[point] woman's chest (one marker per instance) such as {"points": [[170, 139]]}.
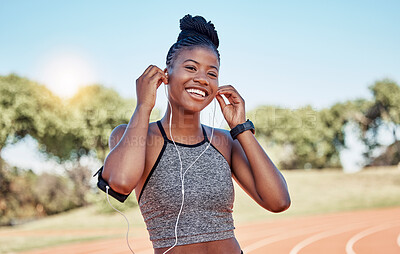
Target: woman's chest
{"points": [[203, 175]]}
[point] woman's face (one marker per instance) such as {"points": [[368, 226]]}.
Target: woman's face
{"points": [[193, 78]]}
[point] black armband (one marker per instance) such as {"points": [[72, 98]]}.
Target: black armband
{"points": [[102, 184]]}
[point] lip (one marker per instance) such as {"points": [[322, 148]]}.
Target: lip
{"points": [[198, 97], [195, 97]]}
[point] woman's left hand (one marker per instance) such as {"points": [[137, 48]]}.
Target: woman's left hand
{"points": [[234, 112]]}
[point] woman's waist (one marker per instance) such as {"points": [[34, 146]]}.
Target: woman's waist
{"points": [[161, 225], [225, 246]]}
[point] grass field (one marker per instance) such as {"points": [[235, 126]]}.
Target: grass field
{"points": [[312, 192]]}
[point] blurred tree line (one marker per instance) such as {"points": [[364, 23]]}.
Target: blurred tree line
{"points": [[67, 130], [310, 138]]}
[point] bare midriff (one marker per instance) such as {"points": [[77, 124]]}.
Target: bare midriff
{"points": [[227, 246]]}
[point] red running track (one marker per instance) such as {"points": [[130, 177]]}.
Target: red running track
{"points": [[361, 232]]}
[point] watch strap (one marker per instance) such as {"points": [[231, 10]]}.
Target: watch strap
{"points": [[248, 125]]}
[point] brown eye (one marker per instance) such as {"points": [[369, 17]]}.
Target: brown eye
{"points": [[190, 68], [212, 74]]}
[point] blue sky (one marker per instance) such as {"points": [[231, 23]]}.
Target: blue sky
{"points": [[288, 53]]}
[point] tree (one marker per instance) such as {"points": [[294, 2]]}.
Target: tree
{"points": [[383, 113], [27, 108], [96, 112], [305, 137]]}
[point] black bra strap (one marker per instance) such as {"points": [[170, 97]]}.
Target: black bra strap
{"points": [[165, 135], [205, 134], [162, 130]]}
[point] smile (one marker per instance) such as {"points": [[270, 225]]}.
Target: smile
{"points": [[196, 93]]}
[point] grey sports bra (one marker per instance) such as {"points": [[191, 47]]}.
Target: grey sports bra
{"points": [[208, 201]]}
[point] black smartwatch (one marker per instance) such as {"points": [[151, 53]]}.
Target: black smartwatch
{"points": [[248, 125]]}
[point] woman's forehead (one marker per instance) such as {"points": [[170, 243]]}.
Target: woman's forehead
{"points": [[199, 55]]}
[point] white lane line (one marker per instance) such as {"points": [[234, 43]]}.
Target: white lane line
{"points": [[283, 236], [369, 231], [295, 233], [326, 234]]}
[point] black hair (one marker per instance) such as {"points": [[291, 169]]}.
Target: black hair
{"points": [[195, 31]]}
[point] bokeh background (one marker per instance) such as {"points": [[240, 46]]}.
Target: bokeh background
{"points": [[320, 80]]}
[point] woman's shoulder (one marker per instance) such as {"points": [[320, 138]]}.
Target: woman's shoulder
{"points": [[218, 133], [116, 135], [154, 136], [119, 131], [154, 129], [221, 140]]}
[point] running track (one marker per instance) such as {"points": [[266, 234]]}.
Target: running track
{"points": [[363, 232]]}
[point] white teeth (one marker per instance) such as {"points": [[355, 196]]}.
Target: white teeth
{"points": [[196, 91]]}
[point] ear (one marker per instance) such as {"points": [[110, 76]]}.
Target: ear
{"points": [[166, 73]]}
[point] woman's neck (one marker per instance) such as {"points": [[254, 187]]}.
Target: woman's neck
{"points": [[185, 125]]}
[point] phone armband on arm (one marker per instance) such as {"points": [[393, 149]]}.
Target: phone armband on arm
{"points": [[102, 184]]}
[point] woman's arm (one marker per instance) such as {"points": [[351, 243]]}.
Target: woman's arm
{"points": [[251, 166], [257, 174], [124, 165]]}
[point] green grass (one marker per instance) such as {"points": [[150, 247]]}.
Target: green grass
{"points": [[318, 192], [88, 222], [312, 192]]}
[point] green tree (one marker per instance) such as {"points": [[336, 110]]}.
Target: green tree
{"points": [[383, 113], [97, 111], [305, 137], [17, 201], [28, 108]]}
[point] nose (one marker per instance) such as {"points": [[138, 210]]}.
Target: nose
{"points": [[201, 78]]}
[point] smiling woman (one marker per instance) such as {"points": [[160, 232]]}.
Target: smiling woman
{"points": [[64, 71], [182, 170]]}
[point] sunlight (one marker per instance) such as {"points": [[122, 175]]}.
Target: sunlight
{"points": [[64, 71]]}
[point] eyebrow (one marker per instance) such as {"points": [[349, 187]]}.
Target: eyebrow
{"points": [[187, 60]]}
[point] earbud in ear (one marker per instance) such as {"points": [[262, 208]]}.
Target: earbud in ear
{"points": [[166, 75]]}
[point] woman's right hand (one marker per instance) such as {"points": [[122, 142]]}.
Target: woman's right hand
{"points": [[147, 84]]}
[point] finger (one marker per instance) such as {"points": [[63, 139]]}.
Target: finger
{"points": [[221, 102], [159, 77], [163, 79], [232, 96], [228, 90], [153, 70], [226, 86], [147, 70]]}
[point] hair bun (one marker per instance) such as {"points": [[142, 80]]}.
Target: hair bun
{"points": [[192, 26]]}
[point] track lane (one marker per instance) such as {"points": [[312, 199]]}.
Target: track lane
{"points": [[278, 236], [383, 238], [369, 231], [398, 240]]}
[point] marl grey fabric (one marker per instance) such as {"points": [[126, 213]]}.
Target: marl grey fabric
{"points": [[208, 200]]}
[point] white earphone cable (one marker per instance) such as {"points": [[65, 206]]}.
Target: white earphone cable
{"points": [[182, 174], [127, 232]]}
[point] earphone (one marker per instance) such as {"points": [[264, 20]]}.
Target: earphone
{"points": [[182, 173]]}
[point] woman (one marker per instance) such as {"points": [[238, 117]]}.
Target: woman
{"points": [[182, 170]]}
